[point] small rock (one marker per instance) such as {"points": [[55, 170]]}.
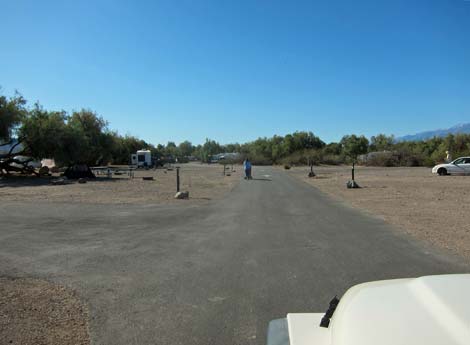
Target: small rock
{"points": [[82, 180], [311, 174], [147, 178], [352, 184], [182, 195]]}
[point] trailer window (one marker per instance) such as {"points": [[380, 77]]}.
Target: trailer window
{"points": [[141, 158]]}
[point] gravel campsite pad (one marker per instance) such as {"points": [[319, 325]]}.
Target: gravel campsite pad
{"points": [[203, 182], [36, 312]]}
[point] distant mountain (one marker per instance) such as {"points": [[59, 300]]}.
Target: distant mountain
{"points": [[462, 128]]}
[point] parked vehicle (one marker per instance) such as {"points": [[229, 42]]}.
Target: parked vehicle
{"points": [[142, 159], [431, 310], [460, 166], [22, 160]]}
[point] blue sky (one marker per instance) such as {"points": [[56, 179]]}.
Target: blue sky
{"points": [[236, 70]]}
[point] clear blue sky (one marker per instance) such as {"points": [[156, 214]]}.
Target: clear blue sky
{"points": [[236, 70]]}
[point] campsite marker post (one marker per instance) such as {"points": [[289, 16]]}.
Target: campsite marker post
{"points": [[177, 179]]}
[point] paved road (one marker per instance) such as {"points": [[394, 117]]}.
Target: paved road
{"points": [[213, 274]]}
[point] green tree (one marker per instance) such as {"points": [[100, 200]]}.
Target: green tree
{"points": [[381, 142], [123, 147], [46, 135], [171, 149], [186, 148], [208, 149], [12, 112], [232, 147], [95, 138], [333, 149], [82, 138], [354, 145], [306, 140]]}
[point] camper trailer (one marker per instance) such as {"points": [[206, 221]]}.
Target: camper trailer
{"points": [[142, 159]]}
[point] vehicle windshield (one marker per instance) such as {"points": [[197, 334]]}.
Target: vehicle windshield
{"points": [[184, 171]]}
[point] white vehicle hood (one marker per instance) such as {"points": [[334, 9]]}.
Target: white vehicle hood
{"points": [[432, 310]]}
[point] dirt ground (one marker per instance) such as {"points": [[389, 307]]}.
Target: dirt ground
{"points": [[204, 182], [35, 312], [432, 208]]}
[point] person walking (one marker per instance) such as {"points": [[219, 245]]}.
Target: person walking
{"points": [[247, 167], [448, 157]]}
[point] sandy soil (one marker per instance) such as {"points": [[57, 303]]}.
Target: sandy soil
{"points": [[35, 312], [432, 208], [204, 182]]}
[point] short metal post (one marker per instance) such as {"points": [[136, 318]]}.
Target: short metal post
{"points": [[352, 172], [224, 169], [177, 179]]}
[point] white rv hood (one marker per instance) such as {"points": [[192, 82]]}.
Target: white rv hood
{"points": [[432, 310]]}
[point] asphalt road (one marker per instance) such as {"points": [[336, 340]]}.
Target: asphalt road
{"points": [[212, 274]]}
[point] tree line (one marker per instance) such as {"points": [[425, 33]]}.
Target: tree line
{"points": [[84, 137], [381, 150]]}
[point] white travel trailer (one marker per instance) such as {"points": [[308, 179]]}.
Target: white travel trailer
{"points": [[143, 158]]}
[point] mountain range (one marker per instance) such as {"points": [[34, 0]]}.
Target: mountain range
{"points": [[459, 129]]}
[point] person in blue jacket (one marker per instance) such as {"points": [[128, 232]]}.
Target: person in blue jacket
{"points": [[247, 167]]}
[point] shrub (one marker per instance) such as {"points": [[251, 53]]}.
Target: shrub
{"points": [[333, 159], [383, 159]]}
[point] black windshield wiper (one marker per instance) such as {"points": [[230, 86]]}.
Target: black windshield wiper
{"points": [[325, 321]]}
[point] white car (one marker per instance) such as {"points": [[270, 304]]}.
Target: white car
{"points": [[460, 166], [431, 310], [23, 159]]}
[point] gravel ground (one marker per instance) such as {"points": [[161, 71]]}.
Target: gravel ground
{"points": [[432, 208], [204, 182], [35, 312]]}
